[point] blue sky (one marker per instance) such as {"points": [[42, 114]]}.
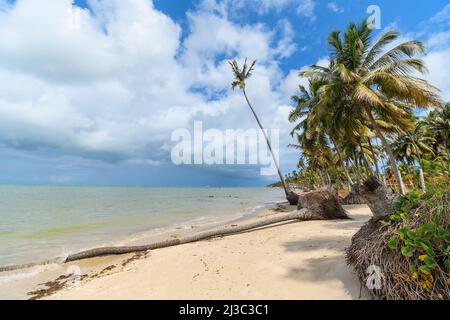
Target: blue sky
{"points": [[92, 90]]}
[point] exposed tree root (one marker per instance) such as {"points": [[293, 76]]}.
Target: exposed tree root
{"points": [[354, 197]]}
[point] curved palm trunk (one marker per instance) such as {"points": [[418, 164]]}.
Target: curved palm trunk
{"points": [[375, 160], [365, 161], [289, 195], [359, 176], [347, 174], [394, 167]]}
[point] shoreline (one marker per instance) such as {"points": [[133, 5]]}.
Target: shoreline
{"points": [[155, 233], [45, 270], [217, 268]]}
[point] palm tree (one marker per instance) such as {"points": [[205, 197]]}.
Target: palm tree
{"points": [[314, 126], [241, 75], [437, 124], [411, 147], [367, 84]]}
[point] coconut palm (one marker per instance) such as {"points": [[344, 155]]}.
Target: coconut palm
{"points": [[314, 127], [240, 78], [411, 147], [366, 83], [437, 124]]}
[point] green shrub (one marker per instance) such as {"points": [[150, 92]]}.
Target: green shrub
{"points": [[422, 233]]}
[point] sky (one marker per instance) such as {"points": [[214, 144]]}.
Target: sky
{"points": [[92, 90]]}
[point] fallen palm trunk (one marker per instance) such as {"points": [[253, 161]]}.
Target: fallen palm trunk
{"points": [[31, 265], [299, 215]]}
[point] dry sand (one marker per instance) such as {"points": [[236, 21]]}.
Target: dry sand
{"points": [[300, 260]]}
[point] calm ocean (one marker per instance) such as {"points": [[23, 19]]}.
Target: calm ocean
{"points": [[41, 222]]}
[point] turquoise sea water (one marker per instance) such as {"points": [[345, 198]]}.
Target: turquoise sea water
{"points": [[40, 222]]}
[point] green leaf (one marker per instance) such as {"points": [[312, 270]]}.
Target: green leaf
{"points": [[430, 262], [447, 263], [385, 223], [427, 248], [408, 251], [393, 243], [401, 232], [425, 270]]}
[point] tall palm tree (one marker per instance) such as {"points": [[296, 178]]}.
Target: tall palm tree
{"points": [[240, 77], [366, 83]]}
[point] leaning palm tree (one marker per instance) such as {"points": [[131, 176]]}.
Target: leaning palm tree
{"points": [[241, 75], [364, 82]]}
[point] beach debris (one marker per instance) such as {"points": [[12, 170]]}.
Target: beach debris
{"points": [[136, 256], [321, 205], [355, 196], [52, 287], [107, 269]]}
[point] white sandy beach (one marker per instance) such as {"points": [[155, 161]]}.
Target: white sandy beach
{"points": [[301, 260]]}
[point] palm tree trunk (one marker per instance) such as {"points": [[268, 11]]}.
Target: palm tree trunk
{"points": [[387, 147], [375, 160], [275, 161], [342, 162], [421, 175], [329, 183], [366, 162], [422, 179], [303, 214], [359, 176]]}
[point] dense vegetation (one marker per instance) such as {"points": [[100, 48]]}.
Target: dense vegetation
{"points": [[358, 116], [411, 248]]}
